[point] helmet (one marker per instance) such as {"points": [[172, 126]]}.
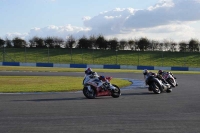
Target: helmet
{"points": [[88, 70], [145, 71], [160, 71]]}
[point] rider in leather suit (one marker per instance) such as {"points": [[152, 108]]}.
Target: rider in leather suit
{"points": [[161, 73], [99, 80], [147, 74]]}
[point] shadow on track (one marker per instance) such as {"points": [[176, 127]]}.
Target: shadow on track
{"points": [[53, 99], [143, 93], [62, 99]]}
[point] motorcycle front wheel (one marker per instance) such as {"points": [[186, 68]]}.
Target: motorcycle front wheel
{"points": [[171, 82], [90, 94], [116, 92], [156, 87]]}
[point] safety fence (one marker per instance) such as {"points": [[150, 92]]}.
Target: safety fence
{"points": [[96, 56], [99, 66]]}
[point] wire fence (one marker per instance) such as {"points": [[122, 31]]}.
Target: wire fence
{"points": [[96, 56]]}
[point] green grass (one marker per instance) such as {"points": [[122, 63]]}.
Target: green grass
{"points": [[89, 56], [14, 84]]}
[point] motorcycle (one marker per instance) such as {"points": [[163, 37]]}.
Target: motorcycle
{"points": [[91, 90], [169, 77], [157, 86]]}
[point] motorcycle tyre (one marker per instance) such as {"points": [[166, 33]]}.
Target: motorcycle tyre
{"points": [[113, 94], [159, 90], [88, 94], [169, 90], [171, 82]]}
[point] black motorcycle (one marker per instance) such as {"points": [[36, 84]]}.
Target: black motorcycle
{"points": [[157, 86]]}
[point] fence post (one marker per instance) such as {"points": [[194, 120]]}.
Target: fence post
{"points": [[4, 53], [116, 55], [25, 52], [138, 58], [93, 55], [162, 58], [48, 52]]}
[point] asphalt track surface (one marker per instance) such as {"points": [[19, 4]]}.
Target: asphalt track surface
{"points": [[135, 111]]}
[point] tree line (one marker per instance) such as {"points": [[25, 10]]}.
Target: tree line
{"points": [[100, 42]]}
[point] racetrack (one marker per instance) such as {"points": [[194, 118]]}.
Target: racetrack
{"points": [[137, 110]]}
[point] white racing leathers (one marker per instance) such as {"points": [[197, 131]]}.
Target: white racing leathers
{"points": [[95, 81]]}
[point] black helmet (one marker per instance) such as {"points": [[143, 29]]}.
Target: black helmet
{"points": [[160, 71], [88, 70], [145, 71]]}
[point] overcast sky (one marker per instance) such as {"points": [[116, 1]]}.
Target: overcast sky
{"points": [[176, 20]]}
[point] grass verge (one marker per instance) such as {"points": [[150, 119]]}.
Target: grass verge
{"points": [[16, 84]]}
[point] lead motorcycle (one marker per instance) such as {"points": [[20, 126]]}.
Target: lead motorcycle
{"points": [[91, 90], [157, 86], [169, 77]]}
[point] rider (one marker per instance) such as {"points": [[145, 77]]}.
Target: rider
{"points": [[100, 80], [160, 76], [162, 73], [148, 74]]}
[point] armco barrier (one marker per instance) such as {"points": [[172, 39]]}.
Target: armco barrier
{"points": [[98, 66], [78, 65], [111, 66], [11, 64], [180, 68], [145, 67], [44, 64]]}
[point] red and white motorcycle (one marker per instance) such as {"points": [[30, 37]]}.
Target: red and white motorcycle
{"points": [[91, 89]]}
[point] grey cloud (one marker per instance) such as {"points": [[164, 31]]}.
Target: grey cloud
{"points": [[181, 10], [163, 13], [109, 22]]}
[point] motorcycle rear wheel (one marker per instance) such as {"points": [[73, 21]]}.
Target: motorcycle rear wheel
{"points": [[89, 94], [169, 90]]}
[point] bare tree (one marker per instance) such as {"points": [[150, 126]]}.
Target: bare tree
{"points": [[70, 42], [113, 44], [101, 42], [93, 40], [37, 42], [58, 42], [123, 44], [154, 45], [193, 45], [131, 44], [2, 42], [173, 46], [143, 44], [18, 42], [183, 46], [166, 44], [84, 43], [49, 42]]}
